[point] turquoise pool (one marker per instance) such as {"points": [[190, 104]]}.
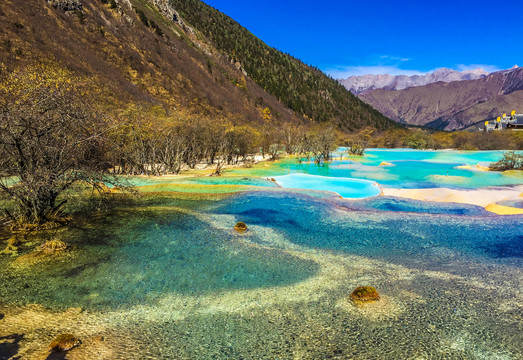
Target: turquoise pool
{"points": [[345, 187], [407, 169], [354, 177]]}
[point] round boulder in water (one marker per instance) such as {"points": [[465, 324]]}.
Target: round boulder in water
{"points": [[240, 227], [53, 247], [365, 293]]}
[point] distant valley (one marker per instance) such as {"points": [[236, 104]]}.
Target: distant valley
{"points": [[445, 99]]}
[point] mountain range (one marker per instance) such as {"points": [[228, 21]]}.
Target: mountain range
{"points": [[181, 55], [449, 105], [364, 83]]}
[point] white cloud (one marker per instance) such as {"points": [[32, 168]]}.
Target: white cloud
{"points": [[390, 58], [342, 72], [487, 68]]}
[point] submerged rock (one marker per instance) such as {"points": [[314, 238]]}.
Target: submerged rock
{"points": [[240, 227], [64, 342], [48, 251], [52, 246], [365, 293]]}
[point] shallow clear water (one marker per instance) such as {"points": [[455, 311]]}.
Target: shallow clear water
{"points": [[203, 180], [176, 281], [169, 278], [151, 254]]}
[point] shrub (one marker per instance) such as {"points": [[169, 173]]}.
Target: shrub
{"points": [[510, 161]]}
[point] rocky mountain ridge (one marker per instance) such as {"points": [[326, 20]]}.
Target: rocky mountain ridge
{"points": [[365, 83]]}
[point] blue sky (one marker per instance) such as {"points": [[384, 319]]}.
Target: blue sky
{"points": [[400, 37]]}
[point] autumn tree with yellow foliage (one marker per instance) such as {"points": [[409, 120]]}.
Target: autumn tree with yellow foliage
{"points": [[49, 139]]}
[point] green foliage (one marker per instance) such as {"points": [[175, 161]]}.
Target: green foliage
{"points": [[356, 150], [112, 4], [156, 28], [209, 65], [510, 161], [80, 15], [358, 143], [416, 141], [143, 18], [461, 140], [304, 89], [147, 22]]}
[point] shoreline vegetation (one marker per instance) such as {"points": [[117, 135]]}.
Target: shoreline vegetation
{"points": [[51, 146]]}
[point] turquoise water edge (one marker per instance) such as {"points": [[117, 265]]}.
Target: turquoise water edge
{"points": [[172, 279]]}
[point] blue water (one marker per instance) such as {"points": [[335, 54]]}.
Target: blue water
{"points": [[148, 254], [317, 223], [388, 203]]}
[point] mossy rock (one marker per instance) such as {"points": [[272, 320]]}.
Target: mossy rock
{"points": [[12, 246], [14, 241], [365, 293], [240, 227], [64, 342]]}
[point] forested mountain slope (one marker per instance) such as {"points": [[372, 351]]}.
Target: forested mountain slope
{"points": [[302, 88], [133, 54], [146, 52]]}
